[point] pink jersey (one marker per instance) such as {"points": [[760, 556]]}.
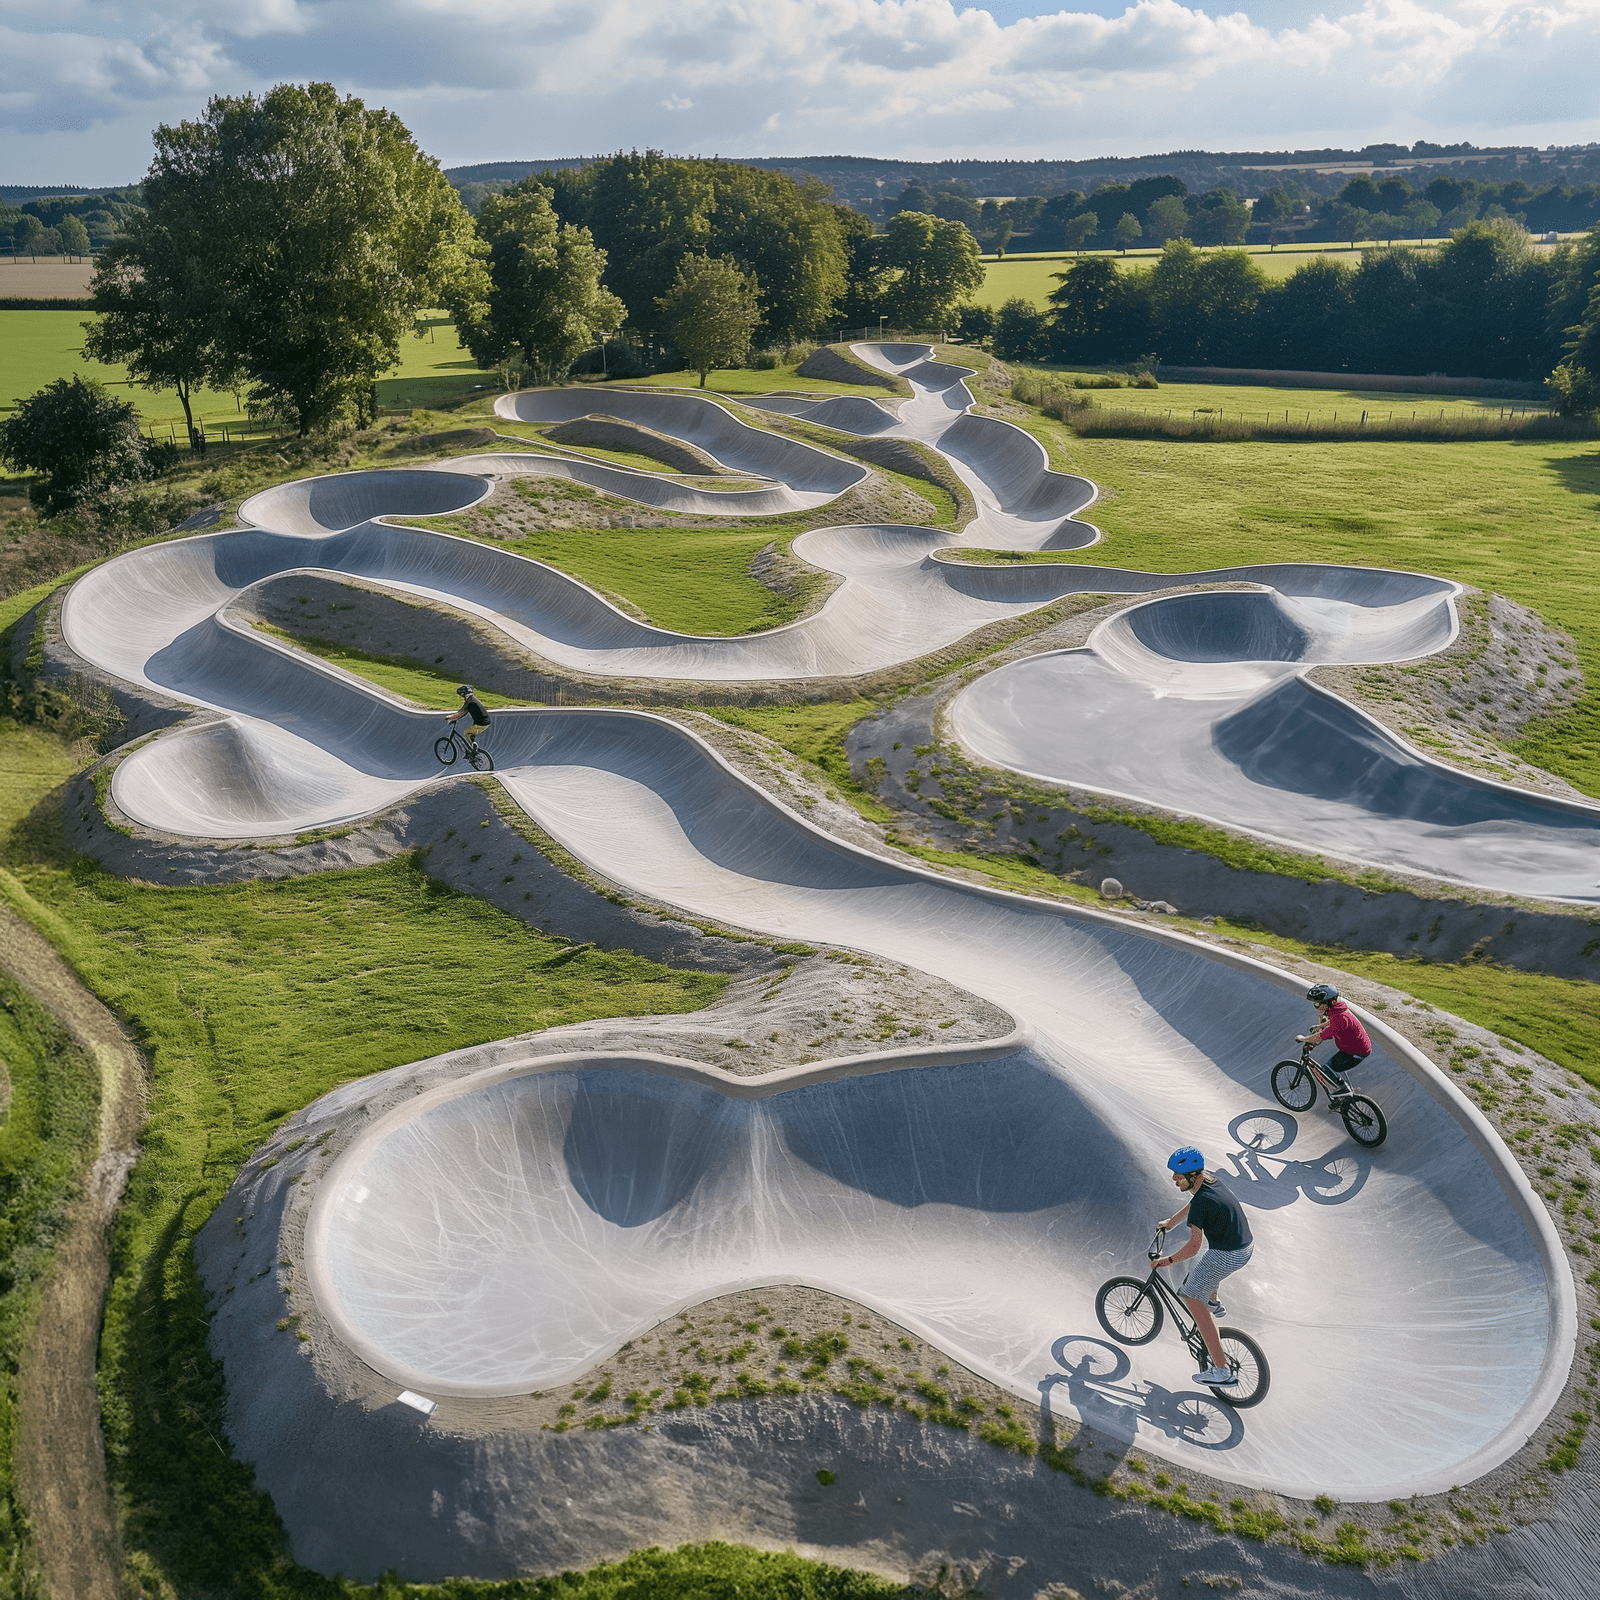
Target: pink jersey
{"points": [[1344, 1028]]}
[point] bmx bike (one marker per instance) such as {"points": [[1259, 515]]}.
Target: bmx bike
{"points": [[454, 745], [1132, 1310], [1294, 1084]]}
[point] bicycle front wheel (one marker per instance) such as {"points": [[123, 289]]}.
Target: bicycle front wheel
{"points": [[1293, 1086], [445, 750], [1128, 1311], [1364, 1121], [1249, 1362]]}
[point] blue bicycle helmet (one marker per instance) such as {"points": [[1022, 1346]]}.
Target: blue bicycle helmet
{"points": [[1322, 994], [1188, 1159]]}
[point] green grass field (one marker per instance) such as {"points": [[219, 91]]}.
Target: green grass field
{"points": [[1028, 277], [249, 1002], [1260, 401], [37, 347]]}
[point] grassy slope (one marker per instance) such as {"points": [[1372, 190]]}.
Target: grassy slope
{"points": [[741, 380], [47, 1140], [691, 580], [252, 1001]]}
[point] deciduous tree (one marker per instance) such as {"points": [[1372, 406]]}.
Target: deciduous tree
{"points": [[711, 311], [328, 231], [545, 304], [1166, 219], [159, 306], [1127, 231], [74, 236], [1076, 231], [80, 440], [929, 265]]}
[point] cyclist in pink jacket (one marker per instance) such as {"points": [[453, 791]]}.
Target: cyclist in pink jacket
{"points": [[1340, 1024]]}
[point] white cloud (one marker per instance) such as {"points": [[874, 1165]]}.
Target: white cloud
{"points": [[82, 83]]}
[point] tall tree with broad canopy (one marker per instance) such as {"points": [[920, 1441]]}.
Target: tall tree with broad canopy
{"points": [[545, 304], [711, 311], [930, 264], [159, 307], [648, 212], [327, 231], [1575, 314]]}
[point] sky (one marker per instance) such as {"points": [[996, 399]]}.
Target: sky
{"points": [[82, 82]]}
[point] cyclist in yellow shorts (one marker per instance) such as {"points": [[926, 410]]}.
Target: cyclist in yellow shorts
{"points": [[471, 706]]}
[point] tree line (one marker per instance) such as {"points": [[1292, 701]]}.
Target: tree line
{"points": [[1484, 304], [67, 225], [286, 242]]}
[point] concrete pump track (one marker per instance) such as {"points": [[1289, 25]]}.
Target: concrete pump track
{"points": [[507, 1232]]}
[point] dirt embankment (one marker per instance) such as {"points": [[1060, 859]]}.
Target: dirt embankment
{"points": [[1507, 668], [612, 433], [60, 1454], [834, 363]]}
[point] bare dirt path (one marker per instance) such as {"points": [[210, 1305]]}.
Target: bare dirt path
{"points": [[60, 1455]]}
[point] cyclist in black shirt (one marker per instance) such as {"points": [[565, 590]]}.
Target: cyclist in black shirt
{"points": [[471, 706], [1217, 1219]]}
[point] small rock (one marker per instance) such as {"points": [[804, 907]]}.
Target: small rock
{"points": [[1110, 889], [1208, 922], [1164, 907]]}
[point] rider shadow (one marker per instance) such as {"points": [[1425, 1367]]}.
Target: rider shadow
{"points": [[1099, 1389], [1328, 1182]]}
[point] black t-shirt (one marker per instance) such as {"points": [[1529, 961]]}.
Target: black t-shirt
{"points": [[474, 708], [1220, 1217]]}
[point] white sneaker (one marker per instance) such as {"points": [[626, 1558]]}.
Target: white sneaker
{"points": [[1213, 1377]]}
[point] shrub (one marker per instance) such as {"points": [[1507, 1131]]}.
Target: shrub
{"points": [[973, 324], [80, 441], [1020, 332]]}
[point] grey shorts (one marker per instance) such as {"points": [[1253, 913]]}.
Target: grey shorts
{"points": [[1206, 1275]]}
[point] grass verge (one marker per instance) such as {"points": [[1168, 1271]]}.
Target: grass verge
{"points": [[412, 680], [49, 1100], [250, 1002]]}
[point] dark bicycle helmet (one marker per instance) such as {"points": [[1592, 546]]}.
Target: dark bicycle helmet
{"points": [[1188, 1159], [1322, 994], [464, 690]]}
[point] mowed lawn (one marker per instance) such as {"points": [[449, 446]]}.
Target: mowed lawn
{"points": [[37, 347], [1030, 277], [1262, 401], [1518, 518]]}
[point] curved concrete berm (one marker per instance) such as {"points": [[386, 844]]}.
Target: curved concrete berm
{"points": [[1200, 703], [507, 1232], [981, 1203]]}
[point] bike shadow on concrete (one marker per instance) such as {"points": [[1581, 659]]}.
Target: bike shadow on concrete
{"points": [[1269, 1180], [1096, 1377]]}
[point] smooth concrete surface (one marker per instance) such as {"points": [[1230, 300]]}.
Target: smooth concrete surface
{"points": [[982, 1204], [1198, 703], [562, 1211]]}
